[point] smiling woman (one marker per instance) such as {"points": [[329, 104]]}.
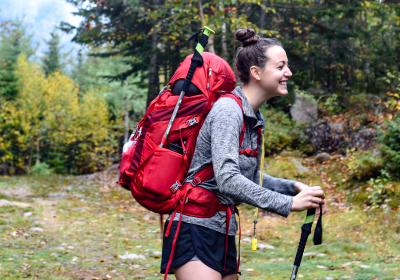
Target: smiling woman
{"points": [[229, 141]]}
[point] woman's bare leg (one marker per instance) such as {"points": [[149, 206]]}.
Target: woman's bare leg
{"points": [[197, 270], [230, 277]]}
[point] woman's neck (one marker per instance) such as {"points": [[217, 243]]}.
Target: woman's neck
{"points": [[255, 95]]}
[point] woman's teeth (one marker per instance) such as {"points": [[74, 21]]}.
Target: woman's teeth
{"points": [[283, 83]]}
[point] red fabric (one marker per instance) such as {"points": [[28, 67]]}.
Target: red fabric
{"points": [[222, 77]]}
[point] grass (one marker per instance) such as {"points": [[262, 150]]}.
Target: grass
{"points": [[87, 225]]}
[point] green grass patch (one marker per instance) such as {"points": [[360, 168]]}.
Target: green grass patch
{"points": [[87, 227]]}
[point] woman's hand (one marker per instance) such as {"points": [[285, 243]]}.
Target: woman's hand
{"points": [[308, 197]]}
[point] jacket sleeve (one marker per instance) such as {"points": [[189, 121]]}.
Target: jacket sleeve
{"points": [[279, 185], [226, 120]]}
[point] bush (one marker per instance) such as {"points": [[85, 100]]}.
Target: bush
{"points": [[332, 104], [281, 133], [41, 169], [389, 145], [364, 166]]}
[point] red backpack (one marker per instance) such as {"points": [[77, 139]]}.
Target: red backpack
{"points": [[155, 174]]}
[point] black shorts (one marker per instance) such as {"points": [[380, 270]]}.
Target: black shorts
{"points": [[207, 244]]}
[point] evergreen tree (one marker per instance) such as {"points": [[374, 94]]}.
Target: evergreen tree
{"points": [[14, 42], [51, 61]]}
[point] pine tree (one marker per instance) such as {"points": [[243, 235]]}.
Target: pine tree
{"points": [[14, 42], [51, 61]]}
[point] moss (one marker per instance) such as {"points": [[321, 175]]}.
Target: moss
{"points": [[359, 197], [394, 201]]}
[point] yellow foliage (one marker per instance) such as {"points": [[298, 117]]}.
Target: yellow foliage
{"points": [[50, 114]]}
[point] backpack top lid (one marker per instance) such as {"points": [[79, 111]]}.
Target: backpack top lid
{"points": [[222, 77]]}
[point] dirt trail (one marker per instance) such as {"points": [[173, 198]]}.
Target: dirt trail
{"points": [[50, 221]]}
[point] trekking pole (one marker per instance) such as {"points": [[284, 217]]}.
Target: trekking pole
{"points": [[197, 60], [305, 232]]}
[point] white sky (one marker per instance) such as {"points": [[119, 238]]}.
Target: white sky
{"points": [[40, 17]]}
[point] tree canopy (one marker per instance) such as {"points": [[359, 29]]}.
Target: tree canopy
{"points": [[340, 46]]}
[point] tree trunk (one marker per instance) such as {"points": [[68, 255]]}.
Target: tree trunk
{"points": [[154, 83], [30, 157], [126, 123], [38, 151], [211, 44], [223, 29], [203, 21], [174, 61], [333, 69], [263, 16]]}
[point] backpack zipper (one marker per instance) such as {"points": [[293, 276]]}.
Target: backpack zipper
{"points": [[209, 77]]}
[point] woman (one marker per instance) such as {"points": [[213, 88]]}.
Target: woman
{"points": [[262, 66]]}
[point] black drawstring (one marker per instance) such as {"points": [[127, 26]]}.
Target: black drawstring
{"points": [[195, 37]]}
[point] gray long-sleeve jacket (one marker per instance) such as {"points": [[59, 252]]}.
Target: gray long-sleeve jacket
{"points": [[236, 177]]}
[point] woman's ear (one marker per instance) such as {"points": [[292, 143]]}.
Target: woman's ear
{"points": [[255, 73]]}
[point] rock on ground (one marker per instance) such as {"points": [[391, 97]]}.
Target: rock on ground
{"points": [[304, 110], [131, 256], [4, 202], [37, 229], [300, 167], [323, 157], [21, 192]]}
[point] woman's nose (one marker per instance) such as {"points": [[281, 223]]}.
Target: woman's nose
{"points": [[288, 73]]}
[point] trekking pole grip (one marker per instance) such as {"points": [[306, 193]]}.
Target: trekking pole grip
{"points": [[197, 59], [204, 39], [305, 232]]}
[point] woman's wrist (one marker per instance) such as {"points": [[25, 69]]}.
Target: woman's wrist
{"points": [[299, 186]]}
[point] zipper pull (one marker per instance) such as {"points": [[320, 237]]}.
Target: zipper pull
{"points": [[209, 76]]}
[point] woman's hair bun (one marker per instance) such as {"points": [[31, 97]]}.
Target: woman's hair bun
{"points": [[247, 36]]}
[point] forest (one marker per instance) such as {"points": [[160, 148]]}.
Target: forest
{"points": [[130, 50]]}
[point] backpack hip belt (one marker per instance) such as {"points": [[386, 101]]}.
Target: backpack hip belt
{"points": [[201, 203]]}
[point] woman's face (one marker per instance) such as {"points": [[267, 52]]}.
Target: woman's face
{"points": [[274, 77]]}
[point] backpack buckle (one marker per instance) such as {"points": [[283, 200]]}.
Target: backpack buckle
{"points": [[191, 122], [196, 181], [175, 186]]}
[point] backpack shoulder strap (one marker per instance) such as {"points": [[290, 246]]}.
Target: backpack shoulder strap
{"points": [[239, 102]]}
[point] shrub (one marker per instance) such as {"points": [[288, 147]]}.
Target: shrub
{"points": [[389, 145], [41, 169], [364, 166], [281, 132], [379, 185], [332, 104]]}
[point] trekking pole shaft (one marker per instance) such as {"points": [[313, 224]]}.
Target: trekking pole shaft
{"points": [[294, 272], [174, 113]]}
